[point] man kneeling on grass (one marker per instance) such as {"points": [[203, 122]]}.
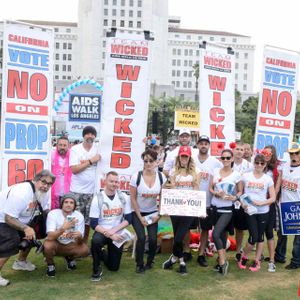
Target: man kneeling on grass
{"points": [[110, 213], [65, 231]]}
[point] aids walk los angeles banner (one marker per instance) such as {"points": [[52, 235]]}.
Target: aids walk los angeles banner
{"points": [[217, 116], [27, 93], [125, 105], [278, 99]]}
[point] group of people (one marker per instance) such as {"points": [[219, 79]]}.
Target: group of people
{"points": [[26, 216]]}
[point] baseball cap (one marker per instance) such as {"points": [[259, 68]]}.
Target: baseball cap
{"points": [[295, 147], [184, 130], [185, 150], [203, 138]]}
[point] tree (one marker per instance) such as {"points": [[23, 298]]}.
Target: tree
{"points": [[196, 74]]}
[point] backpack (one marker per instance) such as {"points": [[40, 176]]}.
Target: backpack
{"points": [[100, 199], [140, 173]]}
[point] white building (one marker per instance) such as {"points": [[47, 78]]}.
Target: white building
{"points": [[79, 49]]}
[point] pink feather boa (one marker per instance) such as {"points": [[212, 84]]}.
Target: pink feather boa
{"points": [[56, 170]]}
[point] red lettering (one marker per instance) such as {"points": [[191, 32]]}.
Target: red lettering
{"points": [[17, 85], [214, 148], [126, 90], [268, 103], [122, 126], [216, 98], [38, 87], [216, 131], [121, 107], [128, 72], [217, 83], [124, 185], [120, 161], [215, 114], [284, 103], [121, 143], [34, 166], [16, 171]]}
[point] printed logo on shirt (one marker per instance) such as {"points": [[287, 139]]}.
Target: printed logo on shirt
{"points": [[204, 175], [112, 212], [289, 185], [255, 185], [149, 195], [184, 184]]}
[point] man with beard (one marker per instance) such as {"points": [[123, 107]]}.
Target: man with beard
{"points": [[206, 165], [83, 161], [290, 192], [248, 152], [62, 171], [19, 204], [65, 231]]}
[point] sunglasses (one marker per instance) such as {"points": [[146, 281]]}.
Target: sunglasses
{"points": [[45, 182], [148, 161], [259, 163], [226, 157], [296, 153]]}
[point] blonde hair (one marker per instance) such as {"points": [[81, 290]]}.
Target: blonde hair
{"points": [[190, 169]]}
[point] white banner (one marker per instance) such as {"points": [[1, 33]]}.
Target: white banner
{"points": [[277, 101], [27, 95], [125, 103], [183, 203], [217, 115]]}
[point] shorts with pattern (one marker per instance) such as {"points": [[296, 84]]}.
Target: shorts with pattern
{"points": [[83, 205]]}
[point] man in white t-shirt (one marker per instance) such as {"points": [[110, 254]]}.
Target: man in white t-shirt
{"points": [[206, 165], [83, 162], [20, 205], [61, 169], [290, 192], [65, 231], [110, 213], [184, 138], [239, 216]]}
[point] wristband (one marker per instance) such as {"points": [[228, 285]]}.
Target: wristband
{"points": [[90, 162]]}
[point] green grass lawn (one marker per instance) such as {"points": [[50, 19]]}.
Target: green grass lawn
{"points": [[200, 283]]}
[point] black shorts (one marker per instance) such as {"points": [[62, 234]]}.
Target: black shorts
{"points": [[240, 219], [195, 223], [10, 240], [207, 223]]}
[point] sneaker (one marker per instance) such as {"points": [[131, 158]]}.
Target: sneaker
{"points": [[140, 269], [242, 264], [71, 263], [97, 276], [217, 268], [202, 261], [292, 266], [187, 256], [224, 268], [255, 266], [149, 265], [182, 269], [51, 270], [23, 265], [271, 267], [238, 256], [168, 264], [3, 281]]}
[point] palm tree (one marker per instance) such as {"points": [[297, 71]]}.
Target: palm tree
{"points": [[196, 75]]}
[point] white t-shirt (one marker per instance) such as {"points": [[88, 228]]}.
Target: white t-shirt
{"points": [[112, 211], [257, 189], [55, 221], [290, 185], [234, 178], [206, 169], [146, 196], [184, 182], [171, 158], [83, 182], [244, 167], [19, 201]]}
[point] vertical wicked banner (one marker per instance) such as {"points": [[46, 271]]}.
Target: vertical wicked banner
{"points": [[27, 92], [278, 99], [125, 104], [217, 117]]}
